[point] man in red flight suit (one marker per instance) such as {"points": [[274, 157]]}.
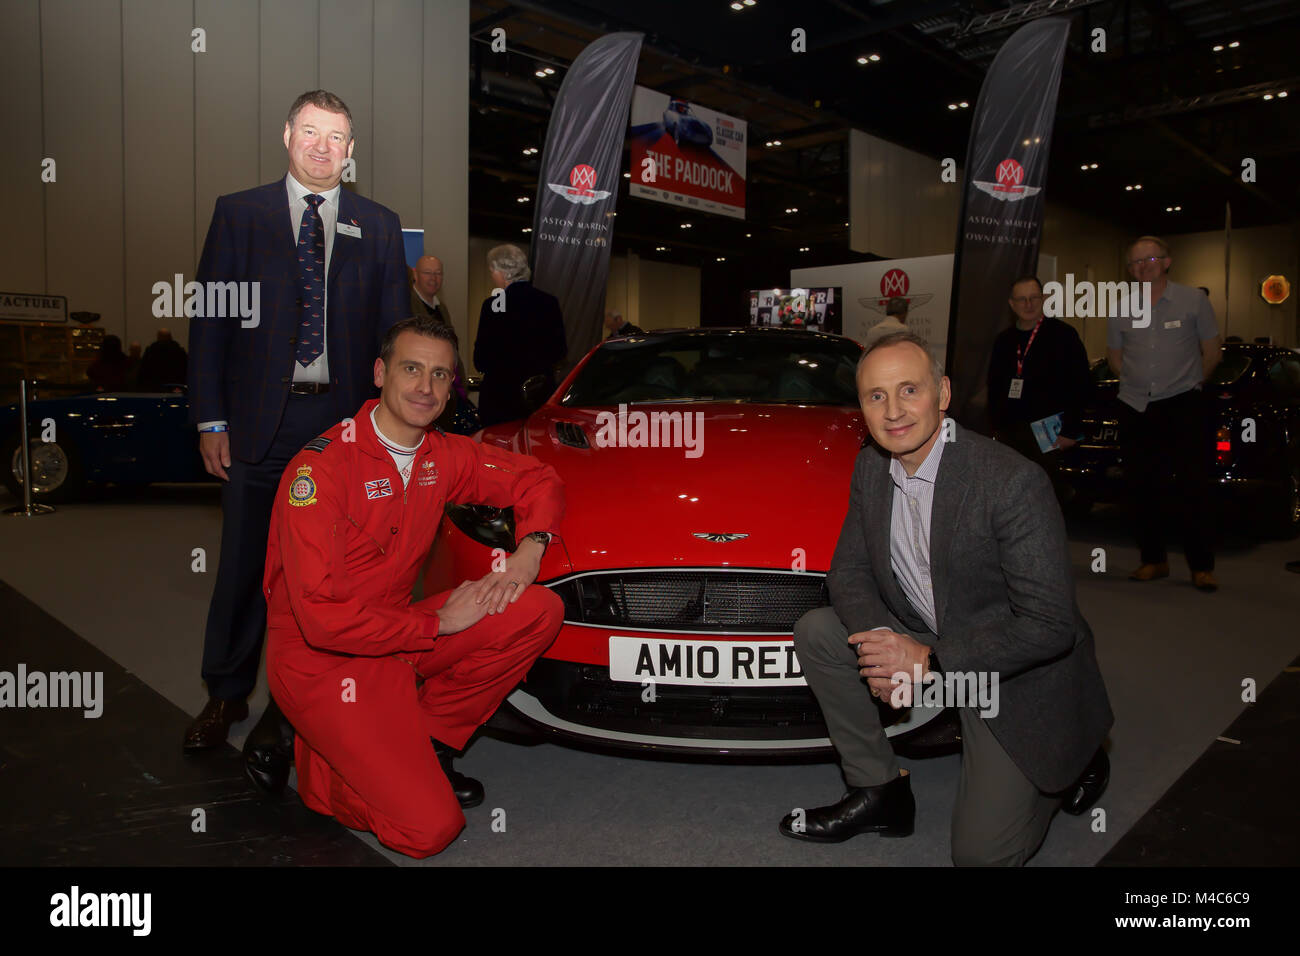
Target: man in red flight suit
{"points": [[365, 675]]}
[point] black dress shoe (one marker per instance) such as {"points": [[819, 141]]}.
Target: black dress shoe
{"points": [[1091, 784], [469, 792], [210, 728], [268, 751], [887, 809]]}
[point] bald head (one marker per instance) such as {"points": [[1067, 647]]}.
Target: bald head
{"points": [[428, 276]]}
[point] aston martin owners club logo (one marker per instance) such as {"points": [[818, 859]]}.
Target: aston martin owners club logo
{"points": [[1010, 186], [894, 284], [582, 186], [719, 536]]}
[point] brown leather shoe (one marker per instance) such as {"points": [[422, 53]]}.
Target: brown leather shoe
{"points": [[1204, 581], [1149, 572], [209, 728]]}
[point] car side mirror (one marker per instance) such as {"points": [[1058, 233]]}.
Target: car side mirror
{"points": [[535, 393]]}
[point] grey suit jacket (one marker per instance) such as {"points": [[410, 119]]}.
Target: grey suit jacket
{"points": [[1003, 595]]}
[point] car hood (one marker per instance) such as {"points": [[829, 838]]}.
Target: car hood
{"points": [[778, 474]]}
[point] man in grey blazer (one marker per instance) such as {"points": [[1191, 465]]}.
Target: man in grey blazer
{"points": [[952, 559]]}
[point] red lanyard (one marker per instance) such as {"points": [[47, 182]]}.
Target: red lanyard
{"points": [[1020, 357]]}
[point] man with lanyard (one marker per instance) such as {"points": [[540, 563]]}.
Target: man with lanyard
{"points": [[1055, 382], [1162, 363]]}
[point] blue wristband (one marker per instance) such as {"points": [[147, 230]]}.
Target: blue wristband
{"points": [[215, 428]]}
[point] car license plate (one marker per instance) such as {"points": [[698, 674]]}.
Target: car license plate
{"points": [[714, 663]]}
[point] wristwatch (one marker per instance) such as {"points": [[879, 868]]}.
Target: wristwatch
{"points": [[542, 537]]}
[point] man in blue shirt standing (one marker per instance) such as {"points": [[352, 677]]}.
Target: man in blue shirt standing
{"points": [[1162, 366]]}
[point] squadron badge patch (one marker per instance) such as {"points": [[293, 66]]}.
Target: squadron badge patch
{"points": [[302, 491]]}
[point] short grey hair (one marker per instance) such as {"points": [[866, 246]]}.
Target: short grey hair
{"points": [[897, 338], [510, 261]]}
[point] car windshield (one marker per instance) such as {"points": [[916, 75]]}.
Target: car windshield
{"points": [[1232, 367], [769, 367]]}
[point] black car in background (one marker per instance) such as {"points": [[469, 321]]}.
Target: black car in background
{"points": [[1255, 481]]}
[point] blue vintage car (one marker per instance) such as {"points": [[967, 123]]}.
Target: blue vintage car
{"points": [[119, 437], [128, 438], [681, 124]]}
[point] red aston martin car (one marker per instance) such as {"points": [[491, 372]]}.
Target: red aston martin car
{"points": [[706, 477]]}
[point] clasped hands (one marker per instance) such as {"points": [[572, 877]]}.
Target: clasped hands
{"points": [[887, 659], [492, 593]]}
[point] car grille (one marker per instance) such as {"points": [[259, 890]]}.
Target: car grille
{"points": [[693, 600]]}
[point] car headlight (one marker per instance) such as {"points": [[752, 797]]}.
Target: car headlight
{"points": [[493, 527]]}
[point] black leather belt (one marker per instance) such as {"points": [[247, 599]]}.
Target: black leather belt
{"points": [[309, 388]]}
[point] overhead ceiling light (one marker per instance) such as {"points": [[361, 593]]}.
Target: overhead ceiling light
{"points": [[530, 151], [738, 6], [1092, 165], [526, 229], [686, 225], [963, 104], [748, 234], [1218, 48], [790, 209], [1268, 96], [541, 73], [952, 106], [803, 248], [875, 58], [1234, 44], [862, 60], [523, 199], [627, 175], [720, 259], [1281, 95], [661, 248], [1173, 209], [846, 224], [548, 71], [749, 3]]}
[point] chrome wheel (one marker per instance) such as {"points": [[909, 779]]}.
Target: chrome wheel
{"points": [[50, 466]]}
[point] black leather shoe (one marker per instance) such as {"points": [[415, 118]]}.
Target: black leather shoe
{"points": [[469, 792], [1091, 784], [268, 751], [887, 809], [210, 728]]}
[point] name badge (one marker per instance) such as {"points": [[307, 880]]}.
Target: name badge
{"points": [[349, 230], [1017, 386], [1175, 324]]}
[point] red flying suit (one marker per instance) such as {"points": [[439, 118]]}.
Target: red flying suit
{"points": [[346, 646]]}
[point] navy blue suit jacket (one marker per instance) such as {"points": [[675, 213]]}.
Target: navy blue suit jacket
{"points": [[242, 375]]}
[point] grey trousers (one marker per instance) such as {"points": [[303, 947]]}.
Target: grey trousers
{"points": [[999, 819]]}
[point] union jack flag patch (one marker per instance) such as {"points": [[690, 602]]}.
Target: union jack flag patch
{"points": [[380, 488]]}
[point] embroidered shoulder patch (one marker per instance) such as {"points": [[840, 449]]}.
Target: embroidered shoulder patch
{"points": [[302, 490], [316, 444]]}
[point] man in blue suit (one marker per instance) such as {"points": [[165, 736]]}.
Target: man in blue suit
{"points": [[331, 278]]}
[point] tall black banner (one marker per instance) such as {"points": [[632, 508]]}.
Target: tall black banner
{"points": [[1002, 207], [573, 222]]}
